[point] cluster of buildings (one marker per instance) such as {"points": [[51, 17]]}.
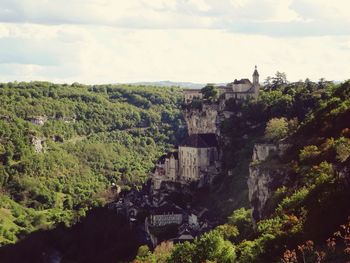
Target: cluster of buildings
{"points": [[196, 160], [140, 208], [238, 89]]}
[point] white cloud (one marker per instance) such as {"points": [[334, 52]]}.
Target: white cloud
{"points": [[103, 41], [104, 54]]}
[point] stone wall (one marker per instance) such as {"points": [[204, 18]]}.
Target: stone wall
{"points": [[195, 161]]}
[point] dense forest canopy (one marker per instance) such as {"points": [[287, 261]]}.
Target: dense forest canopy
{"points": [[62, 147]]}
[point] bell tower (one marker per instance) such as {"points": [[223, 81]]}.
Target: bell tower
{"points": [[256, 76]]}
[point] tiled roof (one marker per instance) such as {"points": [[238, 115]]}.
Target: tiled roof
{"points": [[242, 81], [167, 208], [200, 141]]}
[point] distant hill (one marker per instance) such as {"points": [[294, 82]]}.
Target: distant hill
{"points": [[167, 83]]}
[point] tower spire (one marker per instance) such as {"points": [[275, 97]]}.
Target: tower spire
{"points": [[256, 76]]}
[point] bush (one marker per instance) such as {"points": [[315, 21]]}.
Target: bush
{"points": [[276, 129], [309, 153], [342, 147]]}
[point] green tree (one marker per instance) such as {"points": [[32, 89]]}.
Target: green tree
{"points": [[210, 92], [276, 129], [212, 246], [183, 253]]}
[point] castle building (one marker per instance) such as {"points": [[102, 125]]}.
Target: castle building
{"points": [[238, 89]]}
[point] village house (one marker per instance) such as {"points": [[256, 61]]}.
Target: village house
{"points": [[166, 215], [191, 94]]}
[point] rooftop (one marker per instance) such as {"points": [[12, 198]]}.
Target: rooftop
{"points": [[241, 81], [167, 209], [167, 156], [200, 141]]}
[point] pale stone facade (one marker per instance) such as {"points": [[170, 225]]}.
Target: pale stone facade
{"points": [[197, 156], [166, 219], [191, 94], [166, 215], [167, 169]]}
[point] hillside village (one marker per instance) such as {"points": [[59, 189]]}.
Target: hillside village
{"points": [[195, 163]]}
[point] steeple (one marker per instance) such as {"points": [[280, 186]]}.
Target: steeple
{"points": [[256, 76]]}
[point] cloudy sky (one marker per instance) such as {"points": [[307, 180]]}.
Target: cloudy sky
{"points": [[109, 41]]}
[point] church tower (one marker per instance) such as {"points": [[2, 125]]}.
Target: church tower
{"points": [[255, 76], [256, 85]]}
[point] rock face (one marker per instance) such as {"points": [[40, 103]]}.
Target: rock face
{"points": [[203, 120], [264, 179], [38, 120], [38, 144]]}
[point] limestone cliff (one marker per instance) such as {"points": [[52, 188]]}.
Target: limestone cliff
{"points": [[265, 175], [202, 120]]}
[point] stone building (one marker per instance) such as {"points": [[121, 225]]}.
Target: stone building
{"points": [[166, 215], [238, 89], [196, 158], [191, 94], [167, 169]]}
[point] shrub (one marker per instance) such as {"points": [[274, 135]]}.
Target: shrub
{"points": [[276, 129], [308, 153], [293, 201], [342, 147]]}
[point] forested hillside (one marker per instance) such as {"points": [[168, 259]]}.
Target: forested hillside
{"points": [[306, 218], [62, 147]]}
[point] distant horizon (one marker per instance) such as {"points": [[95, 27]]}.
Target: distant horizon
{"points": [[159, 82]]}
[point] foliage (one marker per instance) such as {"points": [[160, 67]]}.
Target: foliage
{"points": [[331, 252], [242, 219], [342, 147], [91, 137], [275, 82], [276, 129], [210, 92], [314, 118], [209, 247], [309, 152]]}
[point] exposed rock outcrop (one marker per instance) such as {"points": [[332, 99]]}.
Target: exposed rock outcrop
{"points": [[38, 144], [38, 120], [262, 151], [204, 120], [265, 176]]}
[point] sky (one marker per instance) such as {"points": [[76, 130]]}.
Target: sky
{"points": [[216, 41]]}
